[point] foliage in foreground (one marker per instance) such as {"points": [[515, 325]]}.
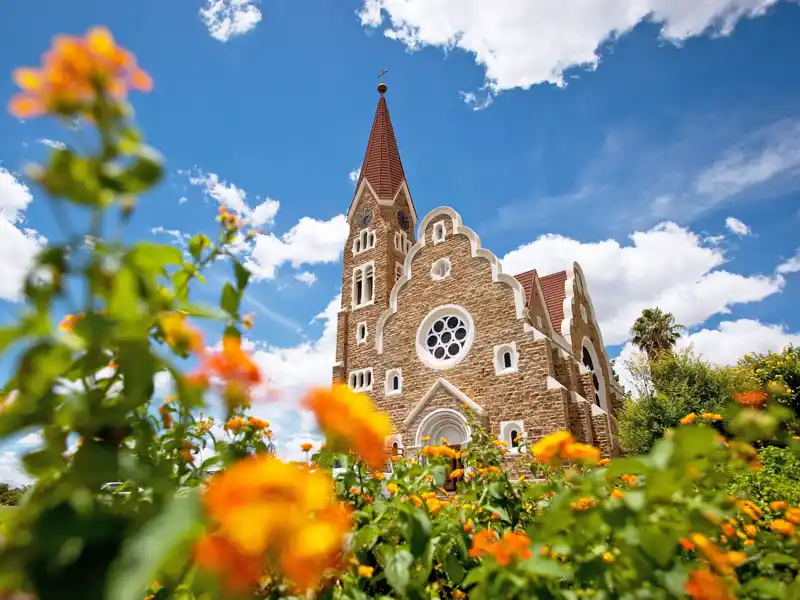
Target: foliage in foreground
{"points": [[660, 525]]}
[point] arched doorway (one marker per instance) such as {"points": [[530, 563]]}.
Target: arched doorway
{"points": [[449, 425]]}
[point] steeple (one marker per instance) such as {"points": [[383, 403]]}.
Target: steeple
{"points": [[382, 167]]}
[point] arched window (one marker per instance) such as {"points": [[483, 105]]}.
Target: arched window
{"points": [[395, 383], [395, 449], [507, 360], [514, 434], [589, 364]]}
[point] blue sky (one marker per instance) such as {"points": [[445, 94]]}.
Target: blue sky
{"points": [[658, 147]]}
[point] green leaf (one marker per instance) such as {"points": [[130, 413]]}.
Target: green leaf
{"points": [[778, 560], [140, 176], [197, 244], [138, 366], [40, 366], [657, 545], [230, 300], [145, 553], [42, 462], [200, 311], [8, 335], [123, 304], [439, 473], [366, 537], [500, 511], [546, 567], [419, 533], [634, 499], [453, 567], [242, 275], [152, 258], [73, 177], [397, 567]]}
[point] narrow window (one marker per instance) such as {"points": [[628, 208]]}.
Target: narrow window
{"points": [[514, 438], [507, 360], [369, 284], [395, 383], [395, 449], [369, 378], [358, 288]]}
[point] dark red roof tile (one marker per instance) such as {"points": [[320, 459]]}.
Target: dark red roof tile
{"points": [[553, 290], [382, 167]]}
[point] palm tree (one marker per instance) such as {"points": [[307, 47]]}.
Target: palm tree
{"points": [[655, 332]]}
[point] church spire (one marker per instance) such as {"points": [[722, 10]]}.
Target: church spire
{"points": [[382, 167]]}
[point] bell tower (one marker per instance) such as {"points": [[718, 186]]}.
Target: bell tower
{"points": [[382, 219]]}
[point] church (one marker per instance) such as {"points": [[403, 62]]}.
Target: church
{"points": [[430, 325]]}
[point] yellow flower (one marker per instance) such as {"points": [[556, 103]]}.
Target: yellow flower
{"points": [[583, 503], [617, 494], [235, 424], [551, 446], [247, 321], [690, 418], [365, 571], [179, 335], [458, 595], [426, 438], [581, 452], [350, 419], [750, 530], [66, 81], [69, 321], [608, 557], [782, 526], [778, 505], [793, 516], [712, 416], [392, 488], [603, 461]]}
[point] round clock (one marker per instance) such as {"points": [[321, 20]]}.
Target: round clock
{"points": [[365, 218]]}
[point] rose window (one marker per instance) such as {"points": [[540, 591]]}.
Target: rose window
{"points": [[446, 337]]}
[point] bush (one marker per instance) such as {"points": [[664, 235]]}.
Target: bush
{"points": [[778, 479], [10, 495], [670, 388]]}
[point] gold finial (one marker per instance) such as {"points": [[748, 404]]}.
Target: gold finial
{"points": [[382, 87]]}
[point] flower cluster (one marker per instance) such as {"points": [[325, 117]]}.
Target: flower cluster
{"points": [[562, 446], [267, 515], [73, 71], [512, 545]]}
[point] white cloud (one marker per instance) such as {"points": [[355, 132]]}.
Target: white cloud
{"points": [[291, 372], [790, 266], [306, 277], [182, 200], [18, 244], [521, 43], [32, 439], [354, 175], [11, 470], [724, 345], [178, 237], [309, 242], [235, 198], [765, 154], [229, 18], [736, 226], [667, 266], [471, 100], [54, 144]]}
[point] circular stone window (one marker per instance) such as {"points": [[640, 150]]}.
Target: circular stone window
{"points": [[445, 337]]}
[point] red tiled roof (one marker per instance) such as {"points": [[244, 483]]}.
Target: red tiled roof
{"points": [[553, 290], [382, 166]]}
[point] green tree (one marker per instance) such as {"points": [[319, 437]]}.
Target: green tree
{"points": [[655, 332], [781, 370], [668, 390]]}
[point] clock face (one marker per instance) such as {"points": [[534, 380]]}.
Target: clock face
{"points": [[365, 218], [403, 220]]}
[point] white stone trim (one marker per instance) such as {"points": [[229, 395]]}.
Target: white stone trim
{"points": [[554, 384], [539, 323], [448, 387], [506, 427], [365, 185], [583, 314], [424, 327], [437, 418], [520, 309], [361, 380], [499, 359], [388, 388], [363, 241], [361, 339], [398, 271], [363, 269], [436, 267], [439, 233]]}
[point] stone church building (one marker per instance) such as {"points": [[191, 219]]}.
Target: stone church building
{"points": [[430, 323]]}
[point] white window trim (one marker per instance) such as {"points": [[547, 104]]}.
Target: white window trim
{"points": [[363, 340], [353, 380], [364, 240], [439, 232], [422, 333], [401, 242], [506, 427], [499, 365], [598, 371], [434, 266], [363, 268], [391, 374], [398, 271], [435, 421]]}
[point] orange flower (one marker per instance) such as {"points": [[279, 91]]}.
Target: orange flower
{"points": [[793, 516], [235, 424], [782, 526], [261, 505], [750, 509], [722, 562], [581, 452], [69, 321], [257, 423], [753, 399], [630, 480], [750, 530], [617, 494], [215, 554], [469, 526], [349, 419], [457, 474], [778, 505], [603, 461], [608, 557], [306, 447], [235, 368], [179, 335], [704, 585], [70, 73], [712, 416], [512, 545], [583, 503], [690, 418], [687, 544], [551, 446]]}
